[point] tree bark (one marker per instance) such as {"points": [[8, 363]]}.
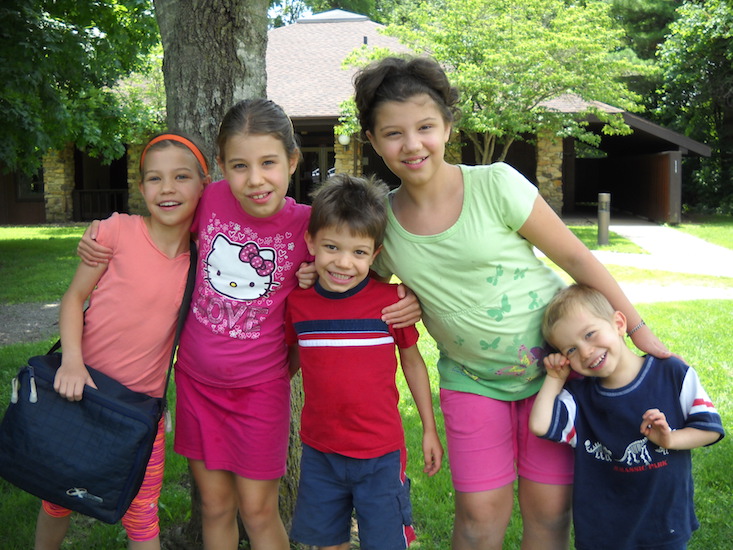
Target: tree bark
{"points": [[725, 141], [214, 56], [289, 483]]}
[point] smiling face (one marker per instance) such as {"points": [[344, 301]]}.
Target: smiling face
{"points": [[342, 259], [410, 136], [594, 346], [258, 170], [171, 185]]}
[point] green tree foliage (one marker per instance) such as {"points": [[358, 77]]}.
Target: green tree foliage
{"points": [[508, 57], [285, 12], [58, 60], [646, 22], [697, 94], [141, 99], [363, 7], [381, 11]]}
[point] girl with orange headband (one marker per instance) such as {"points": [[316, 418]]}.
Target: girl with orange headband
{"points": [[128, 330]]}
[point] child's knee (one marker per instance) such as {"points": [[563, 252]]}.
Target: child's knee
{"points": [[259, 514], [217, 508]]}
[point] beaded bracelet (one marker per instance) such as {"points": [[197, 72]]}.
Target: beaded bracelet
{"points": [[637, 327]]}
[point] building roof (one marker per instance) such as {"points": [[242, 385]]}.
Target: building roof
{"points": [[571, 103], [304, 73], [647, 137]]}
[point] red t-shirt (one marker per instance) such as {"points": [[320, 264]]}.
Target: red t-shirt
{"points": [[348, 361]]}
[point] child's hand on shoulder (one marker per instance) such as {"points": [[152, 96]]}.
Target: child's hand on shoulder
{"points": [[306, 274], [404, 313], [89, 250], [655, 428], [557, 365]]}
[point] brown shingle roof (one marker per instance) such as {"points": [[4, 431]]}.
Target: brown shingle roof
{"points": [[304, 74], [571, 103]]}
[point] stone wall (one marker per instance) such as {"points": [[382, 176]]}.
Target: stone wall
{"points": [[348, 157], [549, 169], [58, 179], [135, 202]]}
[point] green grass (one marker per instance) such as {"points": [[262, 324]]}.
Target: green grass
{"points": [[37, 262], [38, 268], [630, 274], [717, 229], [588, 234]]}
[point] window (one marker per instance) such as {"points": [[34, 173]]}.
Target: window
{"points": [[29, 188]]}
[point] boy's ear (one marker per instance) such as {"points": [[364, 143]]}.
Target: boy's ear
{"points": [[220, 163], [619, 321], [310, 244]]}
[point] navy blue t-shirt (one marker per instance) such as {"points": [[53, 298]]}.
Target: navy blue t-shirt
{"points": [[630, 494]]}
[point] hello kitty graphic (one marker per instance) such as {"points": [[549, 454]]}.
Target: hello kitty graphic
{"points": [[241, 272]]}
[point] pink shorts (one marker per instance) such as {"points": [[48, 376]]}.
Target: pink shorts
{"points": [[141, 519], [489, 444], [240, 430]]}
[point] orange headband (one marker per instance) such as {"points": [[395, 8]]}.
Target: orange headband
{"points": [[180, 139]]}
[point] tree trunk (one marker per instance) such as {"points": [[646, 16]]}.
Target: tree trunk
{"points": [[214, 56], [289, 483], [725, 141]]}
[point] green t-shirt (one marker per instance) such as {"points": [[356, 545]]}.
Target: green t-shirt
{"points": [[481, 287]]}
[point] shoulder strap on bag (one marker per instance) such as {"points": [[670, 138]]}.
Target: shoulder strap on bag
{"points": [[183, 312]]}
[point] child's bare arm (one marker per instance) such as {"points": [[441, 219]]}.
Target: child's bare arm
{"points": [[545, 230], [89, 250], [558, 370], [294, 360], [73, 374], [655, 427], [416, 375]]}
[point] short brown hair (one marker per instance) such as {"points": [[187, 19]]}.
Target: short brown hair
{"points": [[570, 299], [358, 204]]}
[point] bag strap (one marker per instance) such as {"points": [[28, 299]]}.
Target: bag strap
{"points": [[182, 314]]}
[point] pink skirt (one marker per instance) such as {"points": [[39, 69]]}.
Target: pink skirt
{"points": [[240, 430]]}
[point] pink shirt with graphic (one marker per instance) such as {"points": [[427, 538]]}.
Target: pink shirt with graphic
{"points": [[234, 335]]}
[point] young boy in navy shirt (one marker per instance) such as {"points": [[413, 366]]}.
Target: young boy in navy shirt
{"points": [[354, 452], [632, 422]]}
